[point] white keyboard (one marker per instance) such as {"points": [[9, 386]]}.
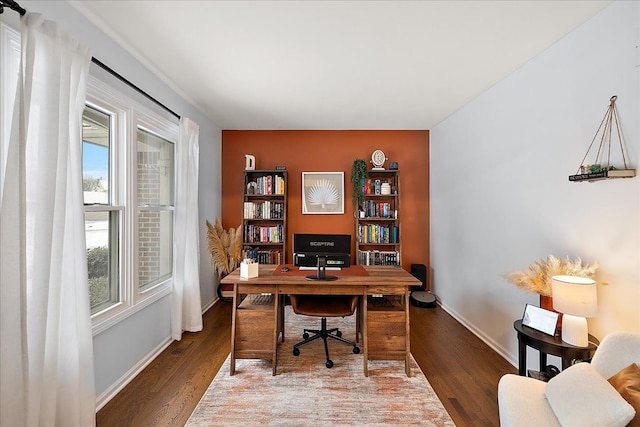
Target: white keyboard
{"points": [[316, 268]]}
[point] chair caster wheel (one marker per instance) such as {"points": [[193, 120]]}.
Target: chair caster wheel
{"points": [[329, 364], [305, 336], [356, 350], [338, 334], [296, 352]]}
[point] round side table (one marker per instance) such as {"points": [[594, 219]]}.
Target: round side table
{"points": [[546, 344]]}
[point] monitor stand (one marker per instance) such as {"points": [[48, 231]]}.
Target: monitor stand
{"points": [[321, 274]]}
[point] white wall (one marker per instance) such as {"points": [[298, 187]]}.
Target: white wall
{"points": [[500, 195], [124, 349]]}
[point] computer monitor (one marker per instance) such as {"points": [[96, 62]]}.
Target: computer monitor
{"points": [[335, 250]]}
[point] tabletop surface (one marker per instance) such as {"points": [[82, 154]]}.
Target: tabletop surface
{"points": [[377, 275]]}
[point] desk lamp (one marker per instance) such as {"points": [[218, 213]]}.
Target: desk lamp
{"points": [[575, 297]]}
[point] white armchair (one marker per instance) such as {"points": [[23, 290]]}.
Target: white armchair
{"points": [[579, 395]]}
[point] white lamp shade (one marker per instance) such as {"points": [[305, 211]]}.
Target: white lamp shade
{"points": [[574, 295]]}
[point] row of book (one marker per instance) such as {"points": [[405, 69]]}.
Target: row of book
{"points": [[263, 210], [267, 185], [264, 256], [263, 234], [375, 233], [378, 257], [374, 209]]}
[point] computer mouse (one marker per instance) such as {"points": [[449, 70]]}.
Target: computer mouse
{"points": [[284, 269]]}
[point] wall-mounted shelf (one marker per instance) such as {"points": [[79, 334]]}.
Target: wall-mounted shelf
{"points": [[602, 169]]}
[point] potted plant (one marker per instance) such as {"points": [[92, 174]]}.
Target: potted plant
{"points": [[359, 173]]}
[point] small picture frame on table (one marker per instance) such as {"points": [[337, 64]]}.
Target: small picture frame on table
{"points": [[540, 319]]}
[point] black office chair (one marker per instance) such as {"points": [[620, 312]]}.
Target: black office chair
{"points": [[324, 306]]}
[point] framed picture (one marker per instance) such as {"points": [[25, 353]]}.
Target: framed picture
{"points": [[540, 319], [322, 192]]}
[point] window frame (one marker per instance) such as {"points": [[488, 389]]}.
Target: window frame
{"points": [[129, 115]]}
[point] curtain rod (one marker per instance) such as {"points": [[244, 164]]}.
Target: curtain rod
{"points": [[127, 82], [11, 4]]}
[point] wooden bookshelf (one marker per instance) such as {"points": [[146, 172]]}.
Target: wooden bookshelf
{"points": [[264, 216], [377, 222]]}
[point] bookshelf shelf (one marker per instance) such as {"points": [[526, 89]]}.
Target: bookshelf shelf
{"points": [[377, 222], [264, 220]]}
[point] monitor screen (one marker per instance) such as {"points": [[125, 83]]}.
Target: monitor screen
{"points": [[336, 248]]}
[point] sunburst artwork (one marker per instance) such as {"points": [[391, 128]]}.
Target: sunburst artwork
{"points": [[322, 192]]}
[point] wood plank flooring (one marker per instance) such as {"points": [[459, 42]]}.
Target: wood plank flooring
{"points": [[463, 371]]}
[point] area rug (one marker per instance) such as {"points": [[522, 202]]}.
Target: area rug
{"points": [[305, 393]]}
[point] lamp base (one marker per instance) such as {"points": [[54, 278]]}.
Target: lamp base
{"points": [[574, 330]]}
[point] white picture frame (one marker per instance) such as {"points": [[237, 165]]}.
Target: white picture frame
{"points": [[540, 319], [323, 192]]}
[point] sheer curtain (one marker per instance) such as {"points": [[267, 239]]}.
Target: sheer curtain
{"points": [[46, 365], [186, 310]]}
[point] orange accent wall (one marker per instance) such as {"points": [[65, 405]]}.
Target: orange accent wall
{"points": [[332, 151]]}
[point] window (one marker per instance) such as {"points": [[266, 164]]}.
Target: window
{"points": [[155, 213], [128, 172], [102, 215]]}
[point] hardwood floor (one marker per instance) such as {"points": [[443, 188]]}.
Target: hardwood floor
{"points": [[463, 371]]}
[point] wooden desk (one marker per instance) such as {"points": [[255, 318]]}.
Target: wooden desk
{"points": [[385, 327], [546, 344]]}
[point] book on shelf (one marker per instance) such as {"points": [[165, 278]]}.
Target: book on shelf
{"points": [[263, 234], [378, 257], [376, 233], [263, 256], [263, 210]]}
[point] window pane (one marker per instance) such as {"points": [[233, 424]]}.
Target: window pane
{"points": [[95, 156], [155, 170], [155, 247], [101, 231]]}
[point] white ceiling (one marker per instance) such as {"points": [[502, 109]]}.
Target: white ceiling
{"points": [[334, 64]]}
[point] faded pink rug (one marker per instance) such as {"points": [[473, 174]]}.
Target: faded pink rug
{"points": [[305, 393]]}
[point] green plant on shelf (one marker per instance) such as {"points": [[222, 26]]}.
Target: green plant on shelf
{"points": [[359, 173]]}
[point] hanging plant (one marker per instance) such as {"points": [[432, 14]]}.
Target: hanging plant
{"points": [[359, 173]]}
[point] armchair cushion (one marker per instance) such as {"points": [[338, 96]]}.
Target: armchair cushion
{"points": [[627, 383], [580, 396]]}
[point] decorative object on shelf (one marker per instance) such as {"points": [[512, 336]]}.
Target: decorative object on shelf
{"points": [[576, 298], [281, 168], [538, 276], [377, 159], [601, 167], [322, 192], [393, 166], [385, 189], [249, 162], [359, 174], [225, 247]]}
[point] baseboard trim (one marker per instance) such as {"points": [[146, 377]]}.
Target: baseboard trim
{"points": [[511, 358], [122, 382]]}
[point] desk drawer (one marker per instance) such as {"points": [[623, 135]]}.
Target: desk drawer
{"points": [[386, 332], [386, 290]]}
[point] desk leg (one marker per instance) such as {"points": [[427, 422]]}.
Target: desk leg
{"points": [[407, 358], [232, 359], [365, 334], [522, 357], [276, 321]]}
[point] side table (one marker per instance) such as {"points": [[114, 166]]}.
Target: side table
{"points": [[546, 344]]}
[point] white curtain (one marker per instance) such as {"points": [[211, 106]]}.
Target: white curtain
{"points": [[186, 310], [46, 365]]}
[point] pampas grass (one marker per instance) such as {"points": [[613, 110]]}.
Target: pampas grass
{"points": [[538, 277], [225, 247]]}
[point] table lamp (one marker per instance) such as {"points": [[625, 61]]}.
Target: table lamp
{"points": [[575, 297]]}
